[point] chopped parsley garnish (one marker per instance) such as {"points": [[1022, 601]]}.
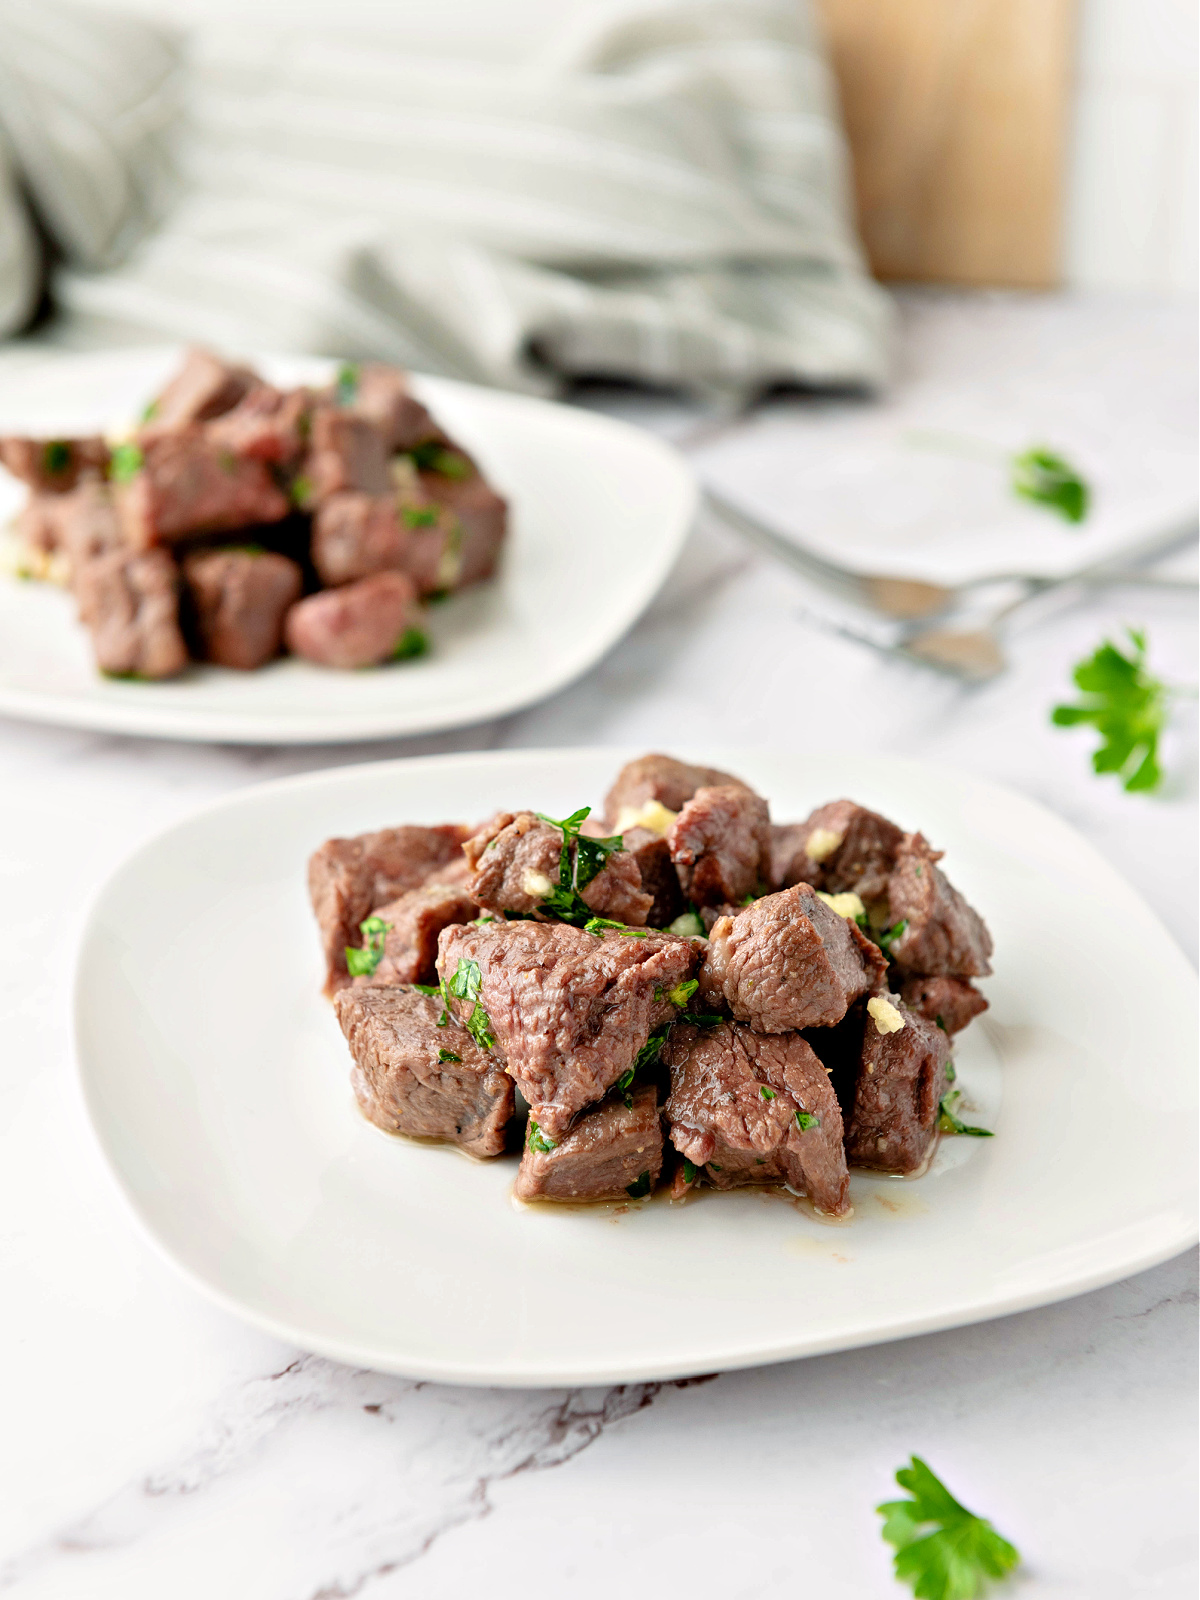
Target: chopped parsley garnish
{"points": [[941, 1022], [362, 963], [943, 1550], [1045, 478], [888, 937], [689, 1172], [767, 1094], [301, 491], [579, 861], [428, 988], [125, 462], [688, 925], [805, 1120], [640, 1188], [411, 643], [683, 992], [466, 984], [56, 457], [227, 461], [948, 1122], [648, 1055], [478, 922], [434, 457], [420, 516], [597, 926], [149, 411], [700, 1019], [1128, 709], [624, 1086], [951, 1072], [347, 383], [448, 1055], [538, 1140]]}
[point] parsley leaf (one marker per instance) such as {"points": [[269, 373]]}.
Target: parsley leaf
{"points": [[683, 992], [689, 1171], [700, 1019], [805, 1120], [538, 1141], [300, 492], [590, 856], [448, 1055], [434, 457], [420, 516], [948, 1122], [578, 863], [944, 1551], [597, 926], [624, 1085], [640, 1188], [888, 937], [347, 383], [427, 988], [466, 985], [362, 963], [1128, 709], [56, 457], [412, 642], [647, 1056], [1046, 479], [767, 1094], [125, 462]]}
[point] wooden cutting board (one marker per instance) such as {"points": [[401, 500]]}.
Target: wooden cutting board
{"points": [[956, 112]]}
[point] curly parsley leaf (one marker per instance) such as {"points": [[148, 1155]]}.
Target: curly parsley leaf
{"points": [[948, 1121], [362, 963], [640, 1188], [944, 1551], [538, 1141], [1047, 480], [1128, 709]]}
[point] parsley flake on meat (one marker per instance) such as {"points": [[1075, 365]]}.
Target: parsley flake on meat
{"points": [[805, 1120], [420, 516], [430, 989], [466, 984], [683, 992], [347, 383], [597, 926], [624, 1085], [125, 462], [56, 457], [701, 1019], [689, 1171], [639, 1188], [888, 937], [1128, 709], [538, 1140], [648, 1055], [944, 1551], [1045, 478], [362, 963], [948, 1122], [411, 643], [580, 859], [767, 1094], [448, 1055], [434, 457]]}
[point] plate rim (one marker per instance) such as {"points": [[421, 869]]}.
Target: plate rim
{"points": [[1174, 1233]]}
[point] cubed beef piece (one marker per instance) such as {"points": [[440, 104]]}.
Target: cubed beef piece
{"points": [[719, 844], [944, 937], [842, 847], [788, 961], [187, 485], [357, 534], [347, 452], [609, 1153], [752, 1108], [415, 1078], [361, 625], [237, 601], [899, 1088], [267, 424], [42, 521], [203, 388], [88, 525], [129, 602], [348, 878], [660, 880], [662, 779], [478, 521], [569, 1010], [949, 1002], [52, 466], [383, 397], [517, 863], [415, 919]]}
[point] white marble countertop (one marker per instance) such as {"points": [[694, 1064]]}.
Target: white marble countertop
{"points": [[150, 1445]]}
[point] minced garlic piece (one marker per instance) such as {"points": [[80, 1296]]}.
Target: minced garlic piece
{"points": [[846, 905], [887, 1018], [821, 844], [653, 815], [403, 472], [536, 884]]}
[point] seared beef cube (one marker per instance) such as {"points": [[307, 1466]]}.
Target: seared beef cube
{"points": [[356, 534], [267, 424], [347, 452], [40, 524], [652, 854], [897, 1096], [416, 919], [517, 859], [383, 397], [88, 524], [609, 1153], [238, 601], [203, 388], [129, 602], [52, 466], [415, 1078], [188, 485], [841, 848], [348, 878], [944, 936], [670, 784], [949, 1002], [751, 1108], [569, 1010], [361, 625], [789, 961], [478, 521], [719, 844]]}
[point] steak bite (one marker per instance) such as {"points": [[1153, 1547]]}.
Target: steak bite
{"points": [[357, 534], [348, 878], [943, 936], [719, 843], [347, 452], [841, 848], [188, 485], [412, 1077], [88, 524], [204, 387], [53, 466], [611, 1152], [416, 919], [474, 523], [267, 424], [751, 1108], [569, 1010], [893, 1124], [361, 625], [383, 398], [949, 1002], [129, 602], [238, 599], [516, 861], [663, 780], [788, 961], [660, 881]]}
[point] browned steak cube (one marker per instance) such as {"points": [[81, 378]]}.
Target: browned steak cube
{"points": [[898, 1092], [949, 1002], [415, 1078], [842, 847], [88, 523], [204, 387], [416, 919], [670, 783], [187, 485], [238, 602], [754, 1108], [357, 534], [477, 523], [611, 1153], [347, 452], [516, 861], [660, 880], [52, 466], [719, 843], [943, 936], [129, 602], [788, 961], [347, 878], [383, 397], [569, 1010], [364, 624], [267, 424]]}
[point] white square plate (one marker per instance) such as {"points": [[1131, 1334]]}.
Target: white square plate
{"points": [[217, 1081]]}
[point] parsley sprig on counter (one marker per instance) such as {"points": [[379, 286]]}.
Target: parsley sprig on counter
{"points": [[1047, 480], [1127, 706], [944, 1551]]}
